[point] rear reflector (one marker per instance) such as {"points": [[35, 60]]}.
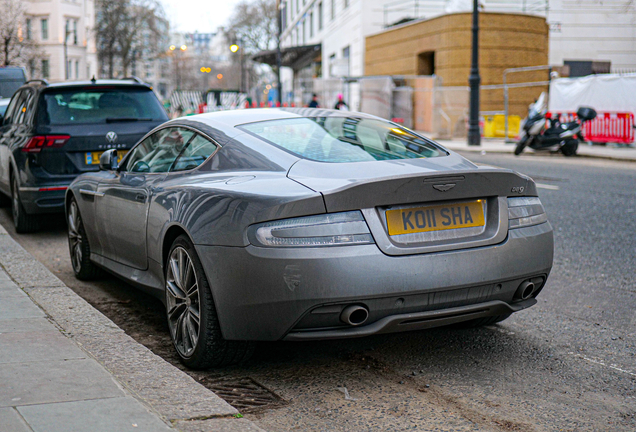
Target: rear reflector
{"points": [[54, 188], [37, 143]]}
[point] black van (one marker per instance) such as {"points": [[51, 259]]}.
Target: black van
{"points": [[11, 79]]}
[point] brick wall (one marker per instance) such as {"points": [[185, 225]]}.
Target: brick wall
{"points": [[505, 41]]}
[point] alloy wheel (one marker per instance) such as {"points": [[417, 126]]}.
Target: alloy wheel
{"points": [[75, 237], [183, 302]]}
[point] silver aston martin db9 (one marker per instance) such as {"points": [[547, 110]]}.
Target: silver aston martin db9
{"points": [[307, 224]]}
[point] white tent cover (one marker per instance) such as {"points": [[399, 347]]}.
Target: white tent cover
{"points": [[604, 93]]}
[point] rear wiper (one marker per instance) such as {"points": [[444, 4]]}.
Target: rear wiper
{"points": [[125, 119]]}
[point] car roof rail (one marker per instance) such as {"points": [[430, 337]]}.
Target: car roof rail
{"points": [[135, 79], [43, 81]]}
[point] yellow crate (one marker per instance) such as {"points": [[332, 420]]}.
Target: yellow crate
{"points": [[495, 126]]}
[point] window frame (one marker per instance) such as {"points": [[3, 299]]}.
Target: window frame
{"points": [[195, 131]]}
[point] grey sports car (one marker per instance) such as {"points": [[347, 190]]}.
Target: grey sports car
{"points": [[306, 224]]}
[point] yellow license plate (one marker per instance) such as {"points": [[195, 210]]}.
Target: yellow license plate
{"points": [[92, 158], [435, 218]]}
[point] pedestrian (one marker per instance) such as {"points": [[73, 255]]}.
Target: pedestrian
{"points": [[314, 101], [341, 105]]}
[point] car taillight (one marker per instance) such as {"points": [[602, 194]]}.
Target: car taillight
{"points": [[333, 229], [37, 143]]}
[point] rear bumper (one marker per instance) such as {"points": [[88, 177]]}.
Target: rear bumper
{"points": [[415, 321], [44, 199], [269, 293]]}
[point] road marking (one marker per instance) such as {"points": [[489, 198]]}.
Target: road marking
{"points": [[599, 362], [546, 186]]}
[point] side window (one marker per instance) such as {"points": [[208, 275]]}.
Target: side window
{"points": [[158, 152], [23, 107], [11, 109], [195, 154]]}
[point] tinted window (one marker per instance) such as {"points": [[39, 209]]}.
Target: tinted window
{"points": [[343, 139], [99, 104], [197, 151], [11, 109], [158, 152], [23, 107]]}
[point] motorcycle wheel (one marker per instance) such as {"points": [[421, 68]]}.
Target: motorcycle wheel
{"points": [[521, 145], [570, 147]]}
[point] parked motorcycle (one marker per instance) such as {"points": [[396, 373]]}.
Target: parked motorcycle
{"points": [[558, 136]]}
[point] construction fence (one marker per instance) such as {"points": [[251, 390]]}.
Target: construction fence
{"points": [[423, 103]]}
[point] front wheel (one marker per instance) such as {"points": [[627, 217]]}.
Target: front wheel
{"points": [[521, 145], [78, 246], [570, 147], [192, 318]]}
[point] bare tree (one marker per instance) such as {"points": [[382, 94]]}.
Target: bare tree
{"points": [[107, 27], [254, 23], [126, 30], [17, 46]]}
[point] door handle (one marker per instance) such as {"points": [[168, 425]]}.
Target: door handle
{"points": [[140, 198]]}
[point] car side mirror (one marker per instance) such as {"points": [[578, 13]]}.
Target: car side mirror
{"points": [[108, 160]]}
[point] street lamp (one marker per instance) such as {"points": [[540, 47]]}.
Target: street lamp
{"points": [[234, 48], [67, 33], [182, 49], [474, 135]]}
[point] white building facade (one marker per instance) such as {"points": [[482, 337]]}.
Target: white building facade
{"points": [[582, 30], [50, 22], [593, 30], [339, 27]]}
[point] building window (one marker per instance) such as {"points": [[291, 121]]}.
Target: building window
{"points": [[77, 69], [45, 69], [297, 6], [74, 32], [44, 23], [29, 32], [31, 68], [311, 24], [333, 9], [346, 4], [319, 16], [68, 69]]}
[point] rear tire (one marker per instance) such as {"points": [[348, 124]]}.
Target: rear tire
{"points": [[570, 147], [79, 248], [192, 318], [480, 322], [23, 222]]}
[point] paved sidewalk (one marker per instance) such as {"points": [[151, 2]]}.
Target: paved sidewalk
{"points": [[491, 145], [65, 367]]}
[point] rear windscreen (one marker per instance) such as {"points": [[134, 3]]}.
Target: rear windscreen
{"points": [[99, 105], [343, 139]]}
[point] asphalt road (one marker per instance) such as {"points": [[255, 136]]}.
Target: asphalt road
{"points": [[567, 364]]}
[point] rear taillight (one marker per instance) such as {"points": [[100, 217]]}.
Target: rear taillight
{"points": [[37, 143]]}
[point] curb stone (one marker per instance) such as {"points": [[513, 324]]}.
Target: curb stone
{"points": [[172, 394]]}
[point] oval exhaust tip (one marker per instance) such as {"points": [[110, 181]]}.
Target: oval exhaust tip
{"points": [[354, 315], [525, 290]]}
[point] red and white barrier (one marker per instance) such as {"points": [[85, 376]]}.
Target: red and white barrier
{"points": [[605, 128]]}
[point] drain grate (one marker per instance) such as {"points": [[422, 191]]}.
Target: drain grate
{"points": [[244, 394]]}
